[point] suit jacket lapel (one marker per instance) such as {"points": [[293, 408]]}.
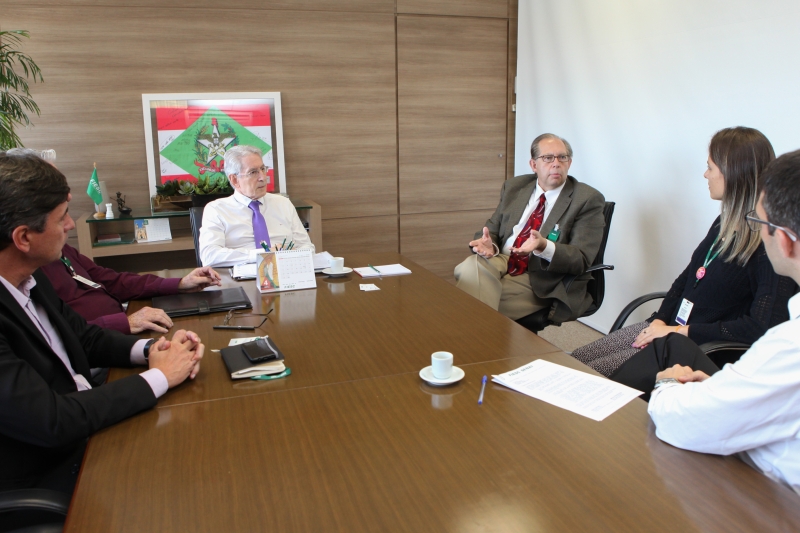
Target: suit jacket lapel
{"points": [[15, 312], [68, 339], [562, 203], [518, 206]]}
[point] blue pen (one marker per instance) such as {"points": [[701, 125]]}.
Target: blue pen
{"points": [[483, 388]]}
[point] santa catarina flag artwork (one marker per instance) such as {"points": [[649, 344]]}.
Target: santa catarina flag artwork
{"points": [[192, 140]]}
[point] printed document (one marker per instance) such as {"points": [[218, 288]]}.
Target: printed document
{"points": [[594, 397]]}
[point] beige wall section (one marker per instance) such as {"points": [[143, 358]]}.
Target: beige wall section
{"points": [[438, 241], [335, 63], [472, 8], [451, 79]]}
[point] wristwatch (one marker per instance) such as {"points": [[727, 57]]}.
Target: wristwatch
{"points": [[665, 381], [146, 349]]}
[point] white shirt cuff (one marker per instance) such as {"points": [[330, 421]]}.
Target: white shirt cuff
{"points": [[548, 252], [137, 352], [157, 381]]}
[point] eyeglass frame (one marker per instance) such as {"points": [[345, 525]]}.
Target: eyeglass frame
{"points": [[263, 169], [749, 217], [566, 157]]}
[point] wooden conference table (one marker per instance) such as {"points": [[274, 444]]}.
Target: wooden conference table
{"points": [[353, 440]]}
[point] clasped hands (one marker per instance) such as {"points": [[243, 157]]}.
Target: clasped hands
{"points": [[485, 247], [178, 358]]}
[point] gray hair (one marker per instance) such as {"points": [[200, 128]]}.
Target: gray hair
{"points": [[234, 156], [47, 155], [544, 136]]}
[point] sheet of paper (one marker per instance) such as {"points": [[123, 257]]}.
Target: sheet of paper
{"points": [[152, 229], [243, 340], [244, 271], [382, 270], [594, 397], [369, 287], [322, 261]]}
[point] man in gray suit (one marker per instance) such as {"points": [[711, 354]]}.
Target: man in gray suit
{"points": [[548, 225]]}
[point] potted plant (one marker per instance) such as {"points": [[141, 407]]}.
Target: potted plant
{"points": [[173, 195], [210, 188], [15, 96]]}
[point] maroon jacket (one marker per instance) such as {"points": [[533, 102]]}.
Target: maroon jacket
{"points": [[103, 307]]}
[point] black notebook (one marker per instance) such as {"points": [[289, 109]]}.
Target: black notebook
{"points": [[203, 302], [241, 366]]}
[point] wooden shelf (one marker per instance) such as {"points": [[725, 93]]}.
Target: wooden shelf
{"points": [[183, 242]]}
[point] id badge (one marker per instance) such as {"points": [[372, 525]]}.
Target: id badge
{"points": [[684, 312], [553, 235], [90, 283]]}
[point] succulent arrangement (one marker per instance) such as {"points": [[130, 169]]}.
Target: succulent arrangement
{"points": [[204, 185]]}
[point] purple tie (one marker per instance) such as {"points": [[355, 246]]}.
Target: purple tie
{"points": [[260, 232]]}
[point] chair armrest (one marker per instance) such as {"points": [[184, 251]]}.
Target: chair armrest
{"points": [[626, 312], [569, 278], [716, 346], [34, 500]]}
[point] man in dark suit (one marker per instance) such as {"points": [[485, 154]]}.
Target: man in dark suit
{"points": [[548, 225], [48, 406]]}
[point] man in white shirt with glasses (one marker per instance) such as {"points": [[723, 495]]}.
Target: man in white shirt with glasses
{"points": [[752, 407], [235, 227]]}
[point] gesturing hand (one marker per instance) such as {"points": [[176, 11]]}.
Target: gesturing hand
{"points": [[149, 318], [534, 243], [483, 246]]}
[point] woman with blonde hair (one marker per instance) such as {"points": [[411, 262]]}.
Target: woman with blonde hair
{"points": [[729, 290]]}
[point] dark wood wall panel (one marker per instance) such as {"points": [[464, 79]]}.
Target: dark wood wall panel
{"points": [[452, 84], [472, 8], [438, 241], [365, 6], [343, 236], [335, 72]]}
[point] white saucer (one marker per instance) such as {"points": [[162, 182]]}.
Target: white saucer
{"points": [[345, 271], [427, 375]]}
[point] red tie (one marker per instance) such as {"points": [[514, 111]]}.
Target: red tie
{"points": [[518, 263]]}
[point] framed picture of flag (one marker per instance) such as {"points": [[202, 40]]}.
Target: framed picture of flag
{"points": [[186, 135]]}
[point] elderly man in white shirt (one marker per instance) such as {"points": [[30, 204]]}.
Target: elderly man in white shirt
{"points": [[751, 407], [234, 227]]}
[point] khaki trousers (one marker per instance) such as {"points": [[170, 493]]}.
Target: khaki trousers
{"points": [[488, 281]]}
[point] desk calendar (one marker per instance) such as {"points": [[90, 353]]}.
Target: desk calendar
{"points": [[285, 270]]}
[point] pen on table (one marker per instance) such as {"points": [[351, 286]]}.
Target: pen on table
{"points": [[373, 268], [483, 388]]}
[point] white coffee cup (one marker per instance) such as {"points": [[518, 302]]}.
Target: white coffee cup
{"points": [[442, 364], [337, 265]]}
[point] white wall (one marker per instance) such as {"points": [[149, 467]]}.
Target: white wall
{"points": [[638, 87]]}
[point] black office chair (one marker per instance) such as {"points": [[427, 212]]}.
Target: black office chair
{"points": [[596, 288], [33, 510], [721, 352], [196, 220]]}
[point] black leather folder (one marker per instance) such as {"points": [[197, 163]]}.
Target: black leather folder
{"points": [[202, 303]]}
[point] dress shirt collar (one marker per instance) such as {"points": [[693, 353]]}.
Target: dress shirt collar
{"points": [[549, 196], [244, 200], [794, 307], [22, 293]]}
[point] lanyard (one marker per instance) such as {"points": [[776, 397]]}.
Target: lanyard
{"points": [[68, 265], [701, 272]]}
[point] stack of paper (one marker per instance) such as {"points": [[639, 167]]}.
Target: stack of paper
{"points": [[244, 271], [382, 270], [322, 261], [594, 397]]}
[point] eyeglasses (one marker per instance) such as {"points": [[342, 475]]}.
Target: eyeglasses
{"points": [[255, 172], [563, 158], [755, 224]]}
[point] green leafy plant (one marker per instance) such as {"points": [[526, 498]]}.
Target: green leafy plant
{"points": [[175, 188], [213, 185], [15, 96]]}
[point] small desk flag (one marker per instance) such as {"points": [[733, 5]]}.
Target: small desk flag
{"points": [[94, 189]]}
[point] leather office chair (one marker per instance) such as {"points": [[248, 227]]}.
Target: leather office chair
{"points": [[33, 510], [196, 220], [721, 352], [596, 288]]}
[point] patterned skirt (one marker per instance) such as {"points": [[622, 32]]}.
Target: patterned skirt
{"points": [[606, 355]]}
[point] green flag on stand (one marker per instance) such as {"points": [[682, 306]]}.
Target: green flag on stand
{"points": [[94, 189]]}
